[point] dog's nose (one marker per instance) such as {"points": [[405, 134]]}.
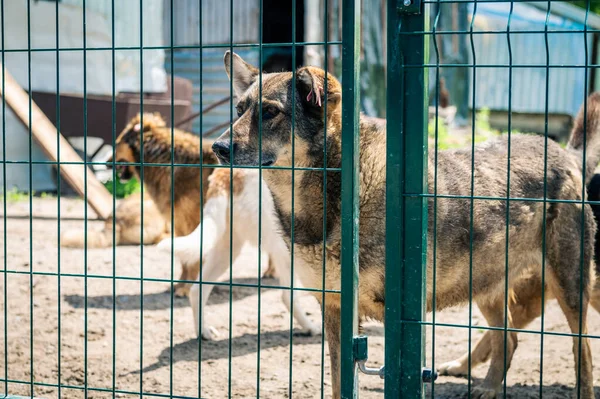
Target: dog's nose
{"points": [[221, 149]]}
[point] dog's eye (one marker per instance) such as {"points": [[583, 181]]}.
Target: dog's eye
{"points": [[269, 112]]}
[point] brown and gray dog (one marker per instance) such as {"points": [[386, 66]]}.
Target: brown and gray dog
{"points": [[528, 294], [564, 224]]}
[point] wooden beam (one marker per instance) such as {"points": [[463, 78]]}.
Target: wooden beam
{"points": [[44, 133]]}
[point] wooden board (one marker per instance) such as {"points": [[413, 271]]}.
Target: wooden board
{"points": [[44, 133]]}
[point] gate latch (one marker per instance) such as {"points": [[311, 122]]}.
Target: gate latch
{"points": [[361, 351]]}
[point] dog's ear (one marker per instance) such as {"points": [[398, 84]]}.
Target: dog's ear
{"points": [[310, 83], [244, 74]]}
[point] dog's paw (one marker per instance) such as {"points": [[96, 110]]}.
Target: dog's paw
{"points": [[312, 331], [315, 330], [483, 392], [453, 368], [209, 334], [182, 290]]}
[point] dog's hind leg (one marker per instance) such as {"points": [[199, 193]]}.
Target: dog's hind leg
{"points": [[493, 311], [595, 297], [524, 303], [570, 280], [216, 263]]}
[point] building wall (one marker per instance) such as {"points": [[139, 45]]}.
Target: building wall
{"points": [[43, 67], [567, 86]]}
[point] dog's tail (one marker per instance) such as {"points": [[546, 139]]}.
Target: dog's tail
{"points": [[586, 130], [212, 228], [95, 239]]}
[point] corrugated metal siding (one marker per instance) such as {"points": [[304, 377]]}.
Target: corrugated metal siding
{"points": [[215, 84], [127, 19], [127, 34], [216, 18], [567, 85]]}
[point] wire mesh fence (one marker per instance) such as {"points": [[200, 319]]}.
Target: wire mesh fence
{"points": [[427, 170]]}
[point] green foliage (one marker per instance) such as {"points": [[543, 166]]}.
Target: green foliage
{"points": [[594, 5], [14, 195], [482, 120], [122, 190], [461, 138]]}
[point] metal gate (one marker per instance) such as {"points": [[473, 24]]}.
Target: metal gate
{"points": [[95, 305]]}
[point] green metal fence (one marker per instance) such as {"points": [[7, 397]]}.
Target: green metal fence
{"points": [[413, 200]]}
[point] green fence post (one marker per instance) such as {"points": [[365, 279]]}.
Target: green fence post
{"points": [[406, 213], [350, 210]]}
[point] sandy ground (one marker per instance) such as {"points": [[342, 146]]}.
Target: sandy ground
{"points": [[79, 341]]}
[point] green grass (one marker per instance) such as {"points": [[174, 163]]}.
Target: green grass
{"points": [[14, 195], [451, 140], [123, 190]]}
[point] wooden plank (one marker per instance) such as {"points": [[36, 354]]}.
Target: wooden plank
{"points": [[44, 133]]}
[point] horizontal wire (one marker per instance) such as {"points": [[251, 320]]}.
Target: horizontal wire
{"points": [[179, 165], [514, 66], [485, 198], [498, 32], [182, 47], [162, 280], [511, 329], [283, 44], [492, 1], [81, 387]]}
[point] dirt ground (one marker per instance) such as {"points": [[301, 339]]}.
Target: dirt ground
{"points": [[153, 347]]}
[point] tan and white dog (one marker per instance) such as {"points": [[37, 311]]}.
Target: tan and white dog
{"points": [[217, 230]]}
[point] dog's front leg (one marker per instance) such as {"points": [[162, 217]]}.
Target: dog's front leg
{"points": [[332, 333], [279, 255], [493, 311], [182, 289]]}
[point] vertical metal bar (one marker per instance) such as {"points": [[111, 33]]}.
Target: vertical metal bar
{"points": [[85, 211], [405, 253], [350, 193], [229, 349], [31, 390], [583, 197], [293, 195], [544, 211], [142, 200], [200, 280], [435, 188], [472, 190], [260, 193], [58, 189], [324, 254], [4, 204], [507, 218], [114, 186], [172, 298]]}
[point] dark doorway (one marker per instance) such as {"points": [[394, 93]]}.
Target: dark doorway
{"points": [[277, 28]]}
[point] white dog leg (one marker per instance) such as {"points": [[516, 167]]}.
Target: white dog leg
{"points": [[283, 270]]}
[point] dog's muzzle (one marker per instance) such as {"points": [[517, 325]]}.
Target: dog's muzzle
{"points": [[222, 150]]}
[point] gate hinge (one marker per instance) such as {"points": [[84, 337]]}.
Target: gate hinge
{"points": [[409, 7], [361, 354]]}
